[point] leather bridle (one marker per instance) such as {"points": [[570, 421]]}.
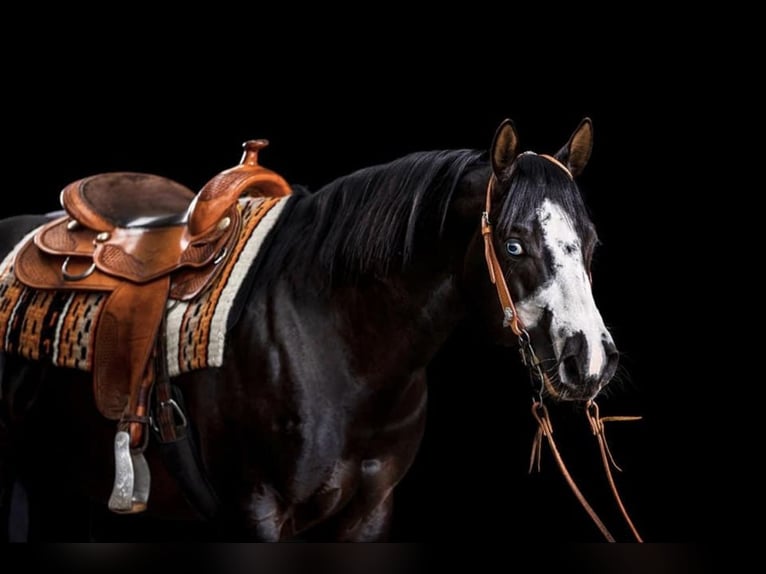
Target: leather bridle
{"points": [[529, 358]]}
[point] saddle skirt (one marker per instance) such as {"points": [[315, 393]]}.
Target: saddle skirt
{"points": [[58, 326]]}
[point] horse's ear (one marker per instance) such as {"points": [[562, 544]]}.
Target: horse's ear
{"points": [[576, 153], [505, 147]]}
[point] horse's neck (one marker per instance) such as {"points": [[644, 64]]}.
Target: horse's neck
{"points": [[413, 309], [397, 322], [404, 307]]}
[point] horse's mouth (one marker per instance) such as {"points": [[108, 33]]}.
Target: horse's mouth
{"points": [[560, 391]]}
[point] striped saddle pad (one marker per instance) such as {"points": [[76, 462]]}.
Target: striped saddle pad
{"points": [[58, 326]]}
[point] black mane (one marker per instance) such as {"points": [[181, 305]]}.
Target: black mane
{"points": [[366, 221]]}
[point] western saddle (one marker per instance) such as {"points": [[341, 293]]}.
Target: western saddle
{"points": [[143, 239]]}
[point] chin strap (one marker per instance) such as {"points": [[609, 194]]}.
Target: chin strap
{"points": [[512, 320]]}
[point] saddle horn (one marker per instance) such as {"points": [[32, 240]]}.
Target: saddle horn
{"points": [[218, 195]]}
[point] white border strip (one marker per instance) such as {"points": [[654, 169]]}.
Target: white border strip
{"points": [[238, 273]]}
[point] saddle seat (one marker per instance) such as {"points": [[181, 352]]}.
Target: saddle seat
{"points": [[129, 200]]}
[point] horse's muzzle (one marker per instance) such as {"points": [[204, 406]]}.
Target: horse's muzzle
{"points": [[573, 368]]}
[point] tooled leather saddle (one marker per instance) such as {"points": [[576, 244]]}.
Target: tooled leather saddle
{"points": [[143, 239]]}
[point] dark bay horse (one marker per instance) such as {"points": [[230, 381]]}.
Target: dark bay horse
{"points": [[319, 408]]}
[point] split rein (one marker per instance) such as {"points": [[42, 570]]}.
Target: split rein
{"points": [[532, 362]]}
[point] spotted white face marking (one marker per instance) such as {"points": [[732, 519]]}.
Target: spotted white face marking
{"points": [[567, 295]]}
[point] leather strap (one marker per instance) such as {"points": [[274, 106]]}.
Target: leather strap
{"points": [[545, 429], [126, 336], [552, 159], [165, 424], [597, 425], [511, 317], [176, 442]]}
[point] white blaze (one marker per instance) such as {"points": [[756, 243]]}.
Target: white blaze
{"points": [[568, 295]]}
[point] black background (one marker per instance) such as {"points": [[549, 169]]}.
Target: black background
{"points": [[184, 112]]}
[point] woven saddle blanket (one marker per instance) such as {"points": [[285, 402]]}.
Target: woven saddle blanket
{"points": [[59, 326]]}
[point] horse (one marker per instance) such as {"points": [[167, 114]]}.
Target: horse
{"points": [[318, 409]]}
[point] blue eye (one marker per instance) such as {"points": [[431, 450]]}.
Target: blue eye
{"points": [[514, 247]]}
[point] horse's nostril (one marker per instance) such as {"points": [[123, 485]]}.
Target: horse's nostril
{"points": [[572, 360], [612, 360], [571, 371]]}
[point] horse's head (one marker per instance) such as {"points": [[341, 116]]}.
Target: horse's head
{"points": [[544, 241]]}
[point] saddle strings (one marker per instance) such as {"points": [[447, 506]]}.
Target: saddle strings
{"points": [[532, 362]]}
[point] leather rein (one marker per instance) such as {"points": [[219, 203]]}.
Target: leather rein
{"points": [[529, 358]]}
